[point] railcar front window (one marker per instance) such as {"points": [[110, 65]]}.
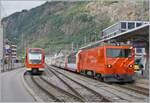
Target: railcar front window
{"points": [[35, 58], [122, 53]]}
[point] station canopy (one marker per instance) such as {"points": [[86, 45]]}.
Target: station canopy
{"points": [[140, 33]]}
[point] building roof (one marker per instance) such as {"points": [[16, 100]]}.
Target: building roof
{"points": [[141, 31]]}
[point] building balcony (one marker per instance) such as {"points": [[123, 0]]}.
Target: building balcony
{"points": [[13, 49], [15, 46]]}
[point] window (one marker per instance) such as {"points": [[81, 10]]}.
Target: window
{"points": [[131, 25], [138, 50], [138, 24], [35, 58], [123, 25], [122, 53]]}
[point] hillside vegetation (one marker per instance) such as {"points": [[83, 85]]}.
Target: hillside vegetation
{"points": [[56, 25]]}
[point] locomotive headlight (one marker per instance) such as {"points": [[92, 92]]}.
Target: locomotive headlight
{"points": [[130, 66], [109, 65]]}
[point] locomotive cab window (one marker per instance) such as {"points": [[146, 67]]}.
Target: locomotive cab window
{"points": [[122, 53]]}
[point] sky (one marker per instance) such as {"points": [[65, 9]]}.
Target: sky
{"points": [[10, 6]]}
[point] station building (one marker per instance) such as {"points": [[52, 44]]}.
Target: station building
{"points": [[120, 27], [10, 50], [14, 50]]}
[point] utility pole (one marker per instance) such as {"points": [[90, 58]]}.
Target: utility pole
{"points": [[142, 10], [85, 40], [72, 46], [22, 41], [95, 36], [1, 40], [1, 46], [1, 50], [11, 55], [77, 46]]}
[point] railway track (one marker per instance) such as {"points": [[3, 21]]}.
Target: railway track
{"points": [[86, 93], [78, 91], [121, 92], [54, 92], [137, 89], [128, 86], [69, 87], [36, 81], [39, 86]]}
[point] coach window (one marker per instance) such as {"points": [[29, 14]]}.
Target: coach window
{"points": [[138, 24], [123, 25], [131, 25], [138, 50]]}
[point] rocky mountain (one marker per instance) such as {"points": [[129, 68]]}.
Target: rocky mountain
{"points": [[57, 25]]}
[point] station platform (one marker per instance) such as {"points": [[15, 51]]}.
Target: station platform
{"points": [[143, 83], [142, 80]]}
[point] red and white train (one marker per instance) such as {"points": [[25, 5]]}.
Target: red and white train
{"points": [[35, 60], [110, 63]]}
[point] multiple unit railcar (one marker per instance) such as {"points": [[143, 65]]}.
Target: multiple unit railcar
{"points": [[110, 63], [35, 60]]}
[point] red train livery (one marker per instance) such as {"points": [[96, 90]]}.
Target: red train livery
{"points": [[35, 59], [110, 63]]}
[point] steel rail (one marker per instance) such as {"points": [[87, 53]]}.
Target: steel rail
{"points": [[140, 90], [70, 87], [50, 95], [103, 99], [137, 89], [62, 90]]}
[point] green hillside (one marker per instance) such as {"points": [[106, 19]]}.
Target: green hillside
{"points": [[56, 25]]}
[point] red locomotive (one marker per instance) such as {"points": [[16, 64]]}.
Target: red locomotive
{"points": [[110, 63], [35, 60]]}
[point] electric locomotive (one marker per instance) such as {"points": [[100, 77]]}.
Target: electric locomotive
{"points": [[110, 63]]}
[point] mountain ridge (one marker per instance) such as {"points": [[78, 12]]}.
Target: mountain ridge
{"points": [[55, 25]]}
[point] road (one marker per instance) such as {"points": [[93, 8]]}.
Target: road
{"points": [[12, 88]]}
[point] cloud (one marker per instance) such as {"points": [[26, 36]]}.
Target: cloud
{"points": [[9, 7]]}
